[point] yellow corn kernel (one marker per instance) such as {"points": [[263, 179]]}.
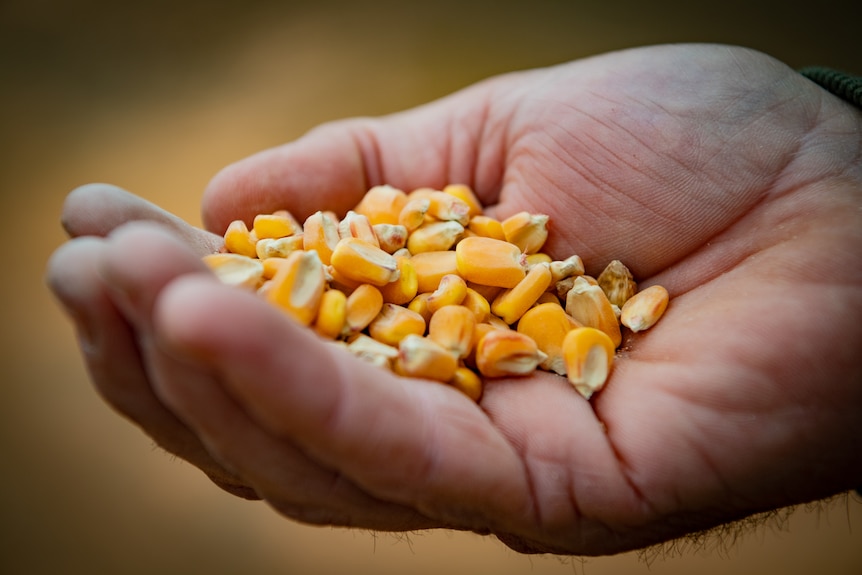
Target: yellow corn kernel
{"points": [[278, 247], [271, 266], [363, 305], [360, 261], [339, 281], [537, 258], [354, 225], [450, 291], [236, 270], [590, 307], [562, 269], [505, 353], [394, 323], [475, 302], [404, 289], [487, 292], [548, 297], [645, 308], [420, 193], [443, 206], [273, 226], [434, 237], [527, 231], [369, 349], [320, 233], [547, 324], [332, 314], [239, 240], [466, 194], [390, 237], [453, 327], [589, 356], [617, 282], [298, 286], [413, 213], [419, 304], [381, 204], [424, 358], [430, 268], [487, 227], [512, 303], [490, 262], [467, 382]]}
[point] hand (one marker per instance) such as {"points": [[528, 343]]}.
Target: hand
{"points": [[714, 171]]}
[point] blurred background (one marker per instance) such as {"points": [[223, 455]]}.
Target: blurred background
{"points": [[156, 96]]}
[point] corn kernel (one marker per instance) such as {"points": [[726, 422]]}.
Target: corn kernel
{"points": [[487, 227], [617, 282], [369, 349], [548, 324], [589, 356], [490, 262], [403, 289], [537, 258], [505, 353], [278, 247], [362, 306], [527, 231], [236, 270], [443, 206], [320, 233], [419, 304], [360, 261], [382, 204], [571, 266], [450, 291], [434, 237], [390, 237], [467, 382], [273, 226], [332, 314], [430, 268], [239, 240], [298, 286], [475, 302], [354, 225], [590, 307], [453, 326], [512, 303], [645, 308], [413, 213], [424, 358], [394, 323], [466, 194]]}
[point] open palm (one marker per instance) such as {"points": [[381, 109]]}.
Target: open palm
{"points": [[714, 171]]}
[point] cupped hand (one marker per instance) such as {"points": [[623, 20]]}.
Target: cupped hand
{"points": [[715, 171]]}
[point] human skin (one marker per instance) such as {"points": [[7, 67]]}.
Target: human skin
{"points": [[715, 171]]}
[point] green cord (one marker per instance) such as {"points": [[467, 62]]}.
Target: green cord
{"points": [[846, 86]]}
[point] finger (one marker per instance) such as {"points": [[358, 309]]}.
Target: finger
{"points": [[97, 209], [412, 442], [113, 359]]}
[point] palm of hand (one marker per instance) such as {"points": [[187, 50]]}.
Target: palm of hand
{"points": [[709, 183]]}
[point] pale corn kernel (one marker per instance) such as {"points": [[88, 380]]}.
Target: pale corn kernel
{"points": [[527, 231], [450, 291], [298, 286], [547, 324], [512, 303], [354, 225], [278, 247], [402, 253], [466, 194], [403, 289], [506, 353], [645, 308], [273, 226], [563, 286], [476, 302], [239, 240], [490, 262], [362, 306], [617, 282], [430, 267], [497, 322], [369, 349], [320, 233], [332, 314], [394, 323], [537, 258], [443, 206], [390, 237], [419, 304], [413, 213], [467, 382], [236, 270], [360, 261], [590, 307], [453, 327], [434, 237], [589, 356], [571, 266], [424, 358], [487, 227], [382, 204]]}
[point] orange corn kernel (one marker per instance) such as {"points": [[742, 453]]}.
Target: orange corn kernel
{"points": [[487, 227], [643, 309], [467, 382], [430, 268], [448, 207], [527, 231], [363, 305], [354, 225], [453, 327], [511, 304], [422, 357], [434, 237], [298, 286], [413, 213], [239, 240], [382, 204], [419, 304], [548, 324], [403, 289], [394, 323], [490, 262], [320, 233], [450, 291], [589, 356], [390, 237], [360, 261], [466, 194], [505, 353], [475, 302]]}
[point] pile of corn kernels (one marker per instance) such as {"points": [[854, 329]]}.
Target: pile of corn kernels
{"points": [[426, 285]]}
